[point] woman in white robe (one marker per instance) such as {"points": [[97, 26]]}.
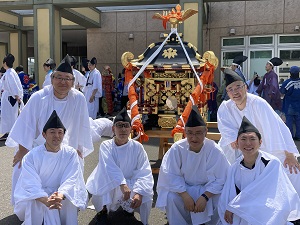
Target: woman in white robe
{"points": [[257, 190]]}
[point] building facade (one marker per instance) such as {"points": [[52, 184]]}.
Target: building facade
{"points": [[257, 29]]}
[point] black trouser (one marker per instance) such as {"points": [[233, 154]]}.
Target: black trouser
{"points": [[100, 111], [124, 100]]}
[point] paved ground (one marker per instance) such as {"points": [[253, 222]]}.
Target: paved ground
{"points": [[7, 216]]}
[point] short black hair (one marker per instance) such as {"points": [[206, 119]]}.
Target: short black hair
{"points": [[19, 68], [10, 65]]}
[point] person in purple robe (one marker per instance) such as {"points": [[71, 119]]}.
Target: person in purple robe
{"points": [[269, 87]]}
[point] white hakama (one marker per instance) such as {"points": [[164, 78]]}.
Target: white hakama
{"points": [[44, 173], [266, 195], [276, 137], [184, 170], [126, 164]]}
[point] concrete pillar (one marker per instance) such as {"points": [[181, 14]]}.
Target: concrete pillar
{"points": [[193, 26], [18, 47], [47, 35], [3, 52]]}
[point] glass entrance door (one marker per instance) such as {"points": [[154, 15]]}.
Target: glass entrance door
{"points": [[290, 57], [257, 62]]}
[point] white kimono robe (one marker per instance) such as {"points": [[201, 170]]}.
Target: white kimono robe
{"points": [[43, 174], [276, 136], [101, 127], [94, 81], [184, 170], [80, 79], [266, 195], [28, 128], [11, 86], [126, 164]]}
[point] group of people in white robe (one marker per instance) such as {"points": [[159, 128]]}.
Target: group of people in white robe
{"points": [[47, 185], [196, 183]]}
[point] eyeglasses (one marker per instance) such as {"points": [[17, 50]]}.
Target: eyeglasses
{"points": [[237, 89], [121, 125], [198, 133], [63, 79]]}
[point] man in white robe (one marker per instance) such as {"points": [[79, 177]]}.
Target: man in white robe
{"points": [[93, 89], [80, 79], [69, 104], [11, 97], [257, 190], [51, 185], [123, 174], [276, 137], [191, 176]]}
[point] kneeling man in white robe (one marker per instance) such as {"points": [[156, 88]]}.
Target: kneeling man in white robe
{"points": [[51, 186], [123, 176], [192, 176], [257, 189]]}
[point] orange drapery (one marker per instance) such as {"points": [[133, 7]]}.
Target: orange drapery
{"points": [[137, 125], [198, 95]]}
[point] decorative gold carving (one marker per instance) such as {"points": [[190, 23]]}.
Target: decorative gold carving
{"points": [[166, 121], [175, 16], [170, 75], [178, 136], [199, 58], [186, 66], [167, 67], [150, 67], [158, 90], [126, 57], [141, 57], [170, 53], [211, 58], [151, 45]]}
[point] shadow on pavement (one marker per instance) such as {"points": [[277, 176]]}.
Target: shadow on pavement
{"points": [[10, 220]]}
